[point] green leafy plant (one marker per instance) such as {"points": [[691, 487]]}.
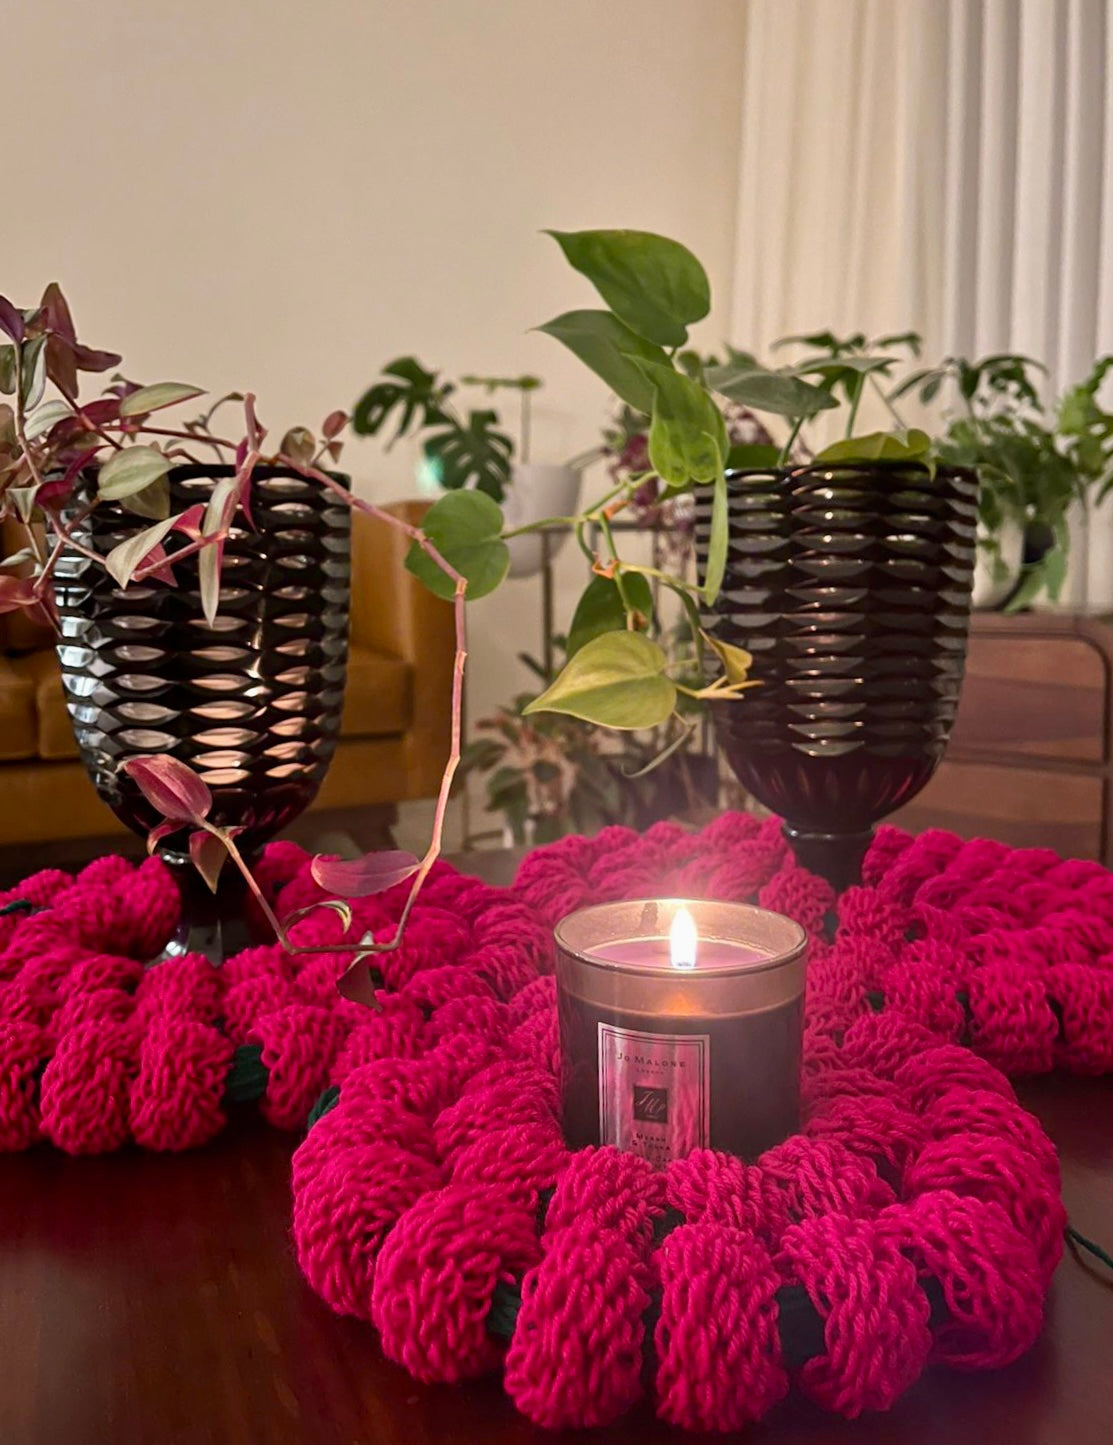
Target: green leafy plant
{"points": [[62, 457], [462, 449], [59, 453], [619, 673], [655, 290], [1036, 459]]}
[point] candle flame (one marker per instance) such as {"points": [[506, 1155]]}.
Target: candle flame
{"points": [[683, 940]]}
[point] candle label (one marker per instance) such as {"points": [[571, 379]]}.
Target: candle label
{"points": [[654, 1092]]}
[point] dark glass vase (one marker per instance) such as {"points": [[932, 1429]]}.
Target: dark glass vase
{"points": [[850, 584], [251, 702]]}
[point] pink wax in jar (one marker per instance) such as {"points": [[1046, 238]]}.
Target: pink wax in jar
{"points": [[680, 1026]]}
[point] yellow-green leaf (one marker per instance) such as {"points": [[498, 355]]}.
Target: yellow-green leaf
{"points": [[736, 660], [880, 446], [615, 681]]}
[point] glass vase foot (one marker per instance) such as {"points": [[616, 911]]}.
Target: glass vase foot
{"points": [[834, 856], [215, 925]]}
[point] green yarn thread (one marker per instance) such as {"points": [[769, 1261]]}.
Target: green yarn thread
{"points": [[327, 1100], [247, 1078]]}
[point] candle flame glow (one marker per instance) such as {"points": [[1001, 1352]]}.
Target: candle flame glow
{"points": [[683, 940]]}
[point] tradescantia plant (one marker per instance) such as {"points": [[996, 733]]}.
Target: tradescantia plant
{"points": [[62, 456]]}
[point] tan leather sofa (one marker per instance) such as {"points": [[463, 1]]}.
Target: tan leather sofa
{"points": [[394, 732]]}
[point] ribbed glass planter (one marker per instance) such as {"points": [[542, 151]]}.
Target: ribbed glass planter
{"points": [[850, 584], [251, 702]]}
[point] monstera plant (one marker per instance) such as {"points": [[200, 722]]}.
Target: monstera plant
{"points": [[460, 449]]}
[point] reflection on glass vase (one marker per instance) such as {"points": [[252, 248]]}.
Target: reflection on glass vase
{"points": [[850, 585], [251, 702]]}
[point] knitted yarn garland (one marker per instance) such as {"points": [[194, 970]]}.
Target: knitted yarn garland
{"points": [[916, 1216], [97, 1051]]}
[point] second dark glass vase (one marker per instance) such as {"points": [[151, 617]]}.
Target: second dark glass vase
{"points": [[251, 701], [850, 585]]}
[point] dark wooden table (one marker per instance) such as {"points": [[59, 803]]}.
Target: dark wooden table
{"points": [[154, 1300]]}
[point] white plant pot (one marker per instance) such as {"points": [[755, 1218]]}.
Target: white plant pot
{"points": [[538, 490], [993, 583]]}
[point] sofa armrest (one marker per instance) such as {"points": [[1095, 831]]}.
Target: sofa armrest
{"points": [[394, 613], [21, 631]]}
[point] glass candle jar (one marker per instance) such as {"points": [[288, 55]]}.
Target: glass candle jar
{"points": [[680, 1026]]}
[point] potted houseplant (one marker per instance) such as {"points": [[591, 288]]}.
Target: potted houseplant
{"points": [[132, 521], [1039, 462], [467, 448], [1084, 426], [846, 575]]}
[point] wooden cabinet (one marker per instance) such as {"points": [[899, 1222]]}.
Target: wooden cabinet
{"points": [[1030, 760]]}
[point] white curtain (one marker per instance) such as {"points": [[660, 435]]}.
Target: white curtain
{"points": [[945, 165]]}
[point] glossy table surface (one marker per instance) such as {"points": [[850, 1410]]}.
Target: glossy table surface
{"points": [[154, 1300]]}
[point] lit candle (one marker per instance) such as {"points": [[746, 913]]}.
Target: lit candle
{"points": [[680, 1026]]}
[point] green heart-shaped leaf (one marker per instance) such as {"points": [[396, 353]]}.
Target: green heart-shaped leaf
{"points": [[653, 284], [464, 527], [600, 609], [769, 390], [609, 349], [687, 436], [614, 681]]}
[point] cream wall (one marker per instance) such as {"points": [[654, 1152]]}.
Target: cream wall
{"points": [[285, 195]]}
